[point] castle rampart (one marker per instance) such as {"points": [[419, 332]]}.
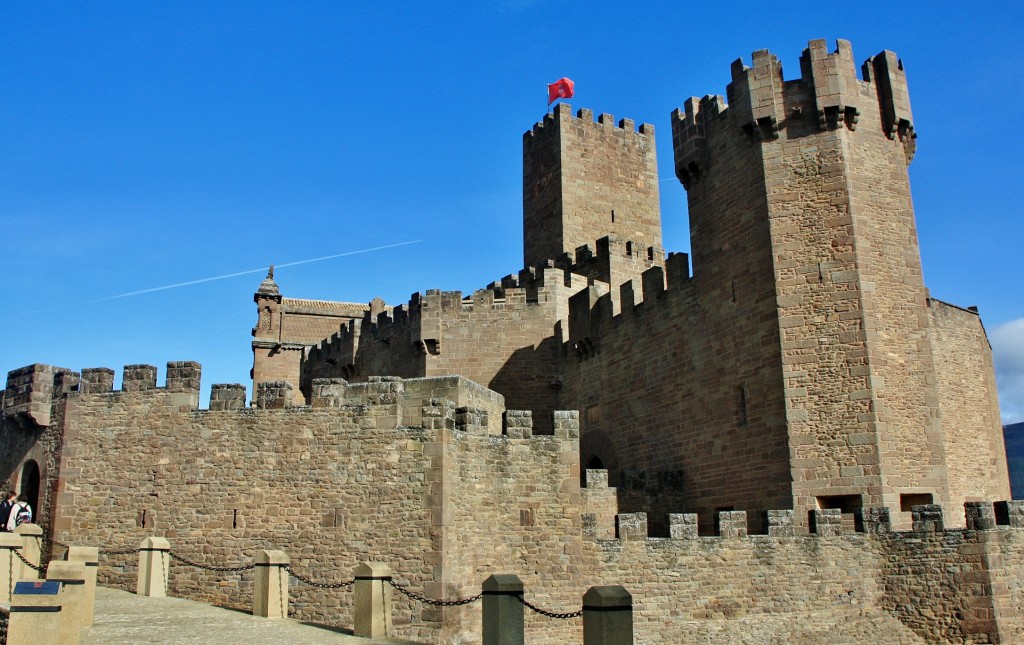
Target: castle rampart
{"points": [[390, 470]]}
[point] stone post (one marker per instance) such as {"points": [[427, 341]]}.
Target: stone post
{"points": [[71, 576], [89, 557], [607, 616], [503, 611], [372, 604], [10, 565], [35, 613], [270, 595], [154, 562], [32, 542]]}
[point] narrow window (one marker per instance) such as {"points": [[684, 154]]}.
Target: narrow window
{"points": [[741, 400], [910, 500], [613, 216], [234, 519]]}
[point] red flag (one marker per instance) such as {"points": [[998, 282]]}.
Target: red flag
{"points": [[560, 89]]}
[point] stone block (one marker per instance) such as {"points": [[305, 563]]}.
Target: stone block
{"points": [[780, 523], [927, 518], [518, 423], [682, 526], [631, 526], [875, 520], [980, 516], [138, 378], [732, 524], [827, 522], [227, 396], [273, 395]]}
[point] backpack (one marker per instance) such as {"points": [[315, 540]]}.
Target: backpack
{"points": [[24, 515]]}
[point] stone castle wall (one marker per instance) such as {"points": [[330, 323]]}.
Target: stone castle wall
{"points": [[506, 337], [393, 470], [975, 452]]}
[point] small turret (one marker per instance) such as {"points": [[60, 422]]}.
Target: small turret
{"points": [[268, 287]]}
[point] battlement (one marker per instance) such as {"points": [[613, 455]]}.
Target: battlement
{"points": [[594, 307], [563, 114], [825, 523], [761, 103], [612, 259], [31, 390]]}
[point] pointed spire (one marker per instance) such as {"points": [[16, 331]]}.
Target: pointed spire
{"points": [[268, 287]]}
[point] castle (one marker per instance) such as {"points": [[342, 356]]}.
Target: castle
{"points": [[780, 445]]}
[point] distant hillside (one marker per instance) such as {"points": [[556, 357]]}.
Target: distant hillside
{"points": [[1014, 437]]}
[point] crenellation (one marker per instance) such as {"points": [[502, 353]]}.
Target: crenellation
{"points": [[329, 393], [980, 516], [631, 527], [886, 71], [273, 395], [731, 524], [875, 520], [471, 420], [755, 96], [682, 526], [138, 378], [927, 518], [827, 522], [227, 396], [97, 380], [183, 376], [833, 78], [780, 523], [517, 424], [29, 395]]}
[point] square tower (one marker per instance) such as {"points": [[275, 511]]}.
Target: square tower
{"points": [[585, 180]]}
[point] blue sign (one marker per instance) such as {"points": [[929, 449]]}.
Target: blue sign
{"points": [[37, 588]]}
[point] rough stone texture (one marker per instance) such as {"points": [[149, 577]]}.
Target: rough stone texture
{"points": [[802, 366], [581, 176], [975, 450], [227, 396]]}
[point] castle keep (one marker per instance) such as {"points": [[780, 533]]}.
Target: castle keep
{"points": [[780, 444]]}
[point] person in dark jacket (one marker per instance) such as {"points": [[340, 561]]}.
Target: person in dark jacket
{"points": [[5, 509]]}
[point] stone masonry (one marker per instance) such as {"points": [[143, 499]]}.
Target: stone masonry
{"points": [[777, 446]]}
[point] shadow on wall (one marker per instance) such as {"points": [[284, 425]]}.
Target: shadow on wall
{"points": [[529, 380]]}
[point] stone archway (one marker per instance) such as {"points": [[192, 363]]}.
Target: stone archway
{"points": [[28, 484]]}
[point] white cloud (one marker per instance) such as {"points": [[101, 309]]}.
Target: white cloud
{"points": [[1008, 353]]}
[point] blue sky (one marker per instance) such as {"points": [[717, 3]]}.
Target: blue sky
{"points": [[145, 144]]}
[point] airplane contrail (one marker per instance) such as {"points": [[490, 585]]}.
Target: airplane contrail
{"points": [[229, 275]]}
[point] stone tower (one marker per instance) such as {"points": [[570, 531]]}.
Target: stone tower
{"points": [[800, 211], [585, 180]]}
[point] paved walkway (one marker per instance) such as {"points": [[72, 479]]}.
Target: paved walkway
{"points": [[122, 618]]}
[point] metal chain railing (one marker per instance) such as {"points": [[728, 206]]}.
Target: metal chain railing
{"points": [[207, 567], [549, 614], [40, 568], [431, 601], [121, 552], [320, 585]]}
